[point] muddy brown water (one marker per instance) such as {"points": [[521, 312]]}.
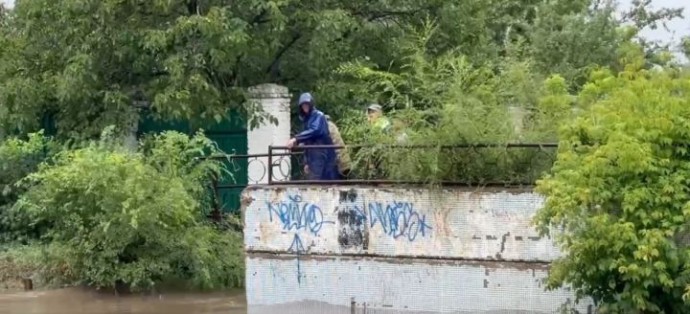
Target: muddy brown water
{"points": [[82, 301]]}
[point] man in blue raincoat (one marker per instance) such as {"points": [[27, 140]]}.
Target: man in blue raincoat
{"points": [[321, 162]]}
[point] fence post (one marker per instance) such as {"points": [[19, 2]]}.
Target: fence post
{"points": [[270, 164], [131, 141], [275, 100], [216, 214]]}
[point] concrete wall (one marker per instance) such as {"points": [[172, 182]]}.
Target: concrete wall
{"points": [[397, 250]]}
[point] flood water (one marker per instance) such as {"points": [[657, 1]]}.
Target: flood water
{"points": [[82, 301]]}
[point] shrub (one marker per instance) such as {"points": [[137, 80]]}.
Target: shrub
{"points": [[448, 101], [18, 158], [18, 262], [618, 198], [135, 218]]}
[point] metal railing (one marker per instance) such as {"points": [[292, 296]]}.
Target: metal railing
{"points": [[516, 164], [385, 164]]}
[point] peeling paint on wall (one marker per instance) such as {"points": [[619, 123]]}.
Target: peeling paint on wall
{"points": [[401, 250]]}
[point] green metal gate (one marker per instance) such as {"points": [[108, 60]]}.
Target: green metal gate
{"points": [[231, 137]]}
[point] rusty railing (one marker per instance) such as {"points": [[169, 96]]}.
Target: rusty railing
{"points": [[502, 165]]}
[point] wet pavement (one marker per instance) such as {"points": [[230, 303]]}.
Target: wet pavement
{"points": [[82, 301]]}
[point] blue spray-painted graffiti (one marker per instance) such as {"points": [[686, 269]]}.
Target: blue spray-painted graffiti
{"points": [[398, 219], [297, 215], [297, 248]]}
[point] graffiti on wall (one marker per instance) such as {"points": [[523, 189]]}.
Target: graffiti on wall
{"points": [[296, 215], [397, 219], [356, 217]]}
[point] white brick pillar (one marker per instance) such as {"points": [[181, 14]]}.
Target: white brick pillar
{"points": [[275, 100], [517, 119], [131, 141]]}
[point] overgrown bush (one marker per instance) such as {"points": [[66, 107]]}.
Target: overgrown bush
{"points": [[18, 158], [618, 198], [19, 262], [119, 217], [448, 101]]}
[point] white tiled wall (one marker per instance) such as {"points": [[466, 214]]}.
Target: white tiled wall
{"points": [[398, 250]]}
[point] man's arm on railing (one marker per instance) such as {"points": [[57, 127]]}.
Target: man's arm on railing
{"points": [[313, 130]]}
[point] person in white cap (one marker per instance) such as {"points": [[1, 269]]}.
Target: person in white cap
{"points": [[380, 123], [377, 119]]}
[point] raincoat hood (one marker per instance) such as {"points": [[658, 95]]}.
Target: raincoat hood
{"points": [[321, 162], [305, 98]]}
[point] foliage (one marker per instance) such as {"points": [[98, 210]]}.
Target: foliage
{"points": [[550, 36], [617, 200], [557, 42], [446, 101], [455, 96], [17, 262], [19, 158], [78, 63], [135, 218]]}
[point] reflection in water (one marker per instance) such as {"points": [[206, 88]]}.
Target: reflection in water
{"points": [[79, 301]]}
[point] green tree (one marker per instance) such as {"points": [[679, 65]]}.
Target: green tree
{"points": [[685, 46], [617, 200], [460, 96], [572, 44], [88, 64], [446, 100]]}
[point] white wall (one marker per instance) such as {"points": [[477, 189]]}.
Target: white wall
{"points": [[396, 249], [315, 286]]}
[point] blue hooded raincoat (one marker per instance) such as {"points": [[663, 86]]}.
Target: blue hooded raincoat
{"points": [[322, 162]]}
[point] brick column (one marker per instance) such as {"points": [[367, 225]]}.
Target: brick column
{"points": [[275, 100]]}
